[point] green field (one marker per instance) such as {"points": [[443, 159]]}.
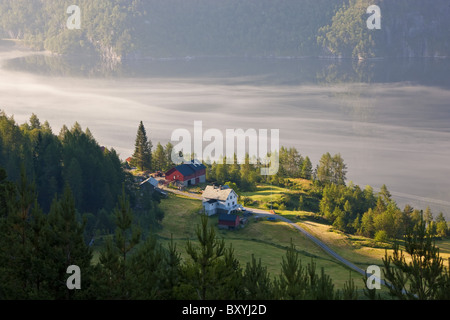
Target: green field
{"points": [[357, 249], [268, 240], [264, 239]]}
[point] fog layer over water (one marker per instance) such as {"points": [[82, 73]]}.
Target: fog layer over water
{"points": [[389, 132]]}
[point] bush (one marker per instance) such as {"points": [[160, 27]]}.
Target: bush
{"points": [[381, 236]]}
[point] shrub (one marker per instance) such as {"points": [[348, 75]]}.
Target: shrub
{"points": [[381, 236]]}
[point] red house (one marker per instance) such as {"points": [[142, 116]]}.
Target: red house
{"points": [[229, 221], [188, 174]]}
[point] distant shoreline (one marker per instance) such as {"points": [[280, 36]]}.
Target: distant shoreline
{"points": [[136, 57]]}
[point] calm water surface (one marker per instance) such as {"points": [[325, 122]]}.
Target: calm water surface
{"points": [[390, 120]]}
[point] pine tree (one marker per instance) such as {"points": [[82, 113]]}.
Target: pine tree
{"points": [[16, 239], [142, 156], [386, 195], [424, 276], [321, 286], [441, 225], [257, 281], [168, 149], [324, 168], [34, 122], [126, 236], [113, 274], [172, 272], [293, 280], [306, 171], [159, 158], [204, 260], [339, 169], [428, 215], [66, 247], [147, 270]]}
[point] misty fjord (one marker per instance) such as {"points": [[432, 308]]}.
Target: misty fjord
{"points": [[225, 158]]}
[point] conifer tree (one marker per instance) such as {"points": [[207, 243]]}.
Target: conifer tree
{"points": [[126, 236], [147, 270], [256, 281], [423, 276], [142, 156], [159, 158], [306, 171], [321, 286], [441, 225], [204, 260], [34, 122], [168, 149], [16, 240], [293, 279], [114, 282], [66, 247]]}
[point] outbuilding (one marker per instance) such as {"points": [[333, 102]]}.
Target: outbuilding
{"points": [[229, 221]]}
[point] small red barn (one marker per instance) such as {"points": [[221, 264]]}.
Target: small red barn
{"points": [[229, 221]]}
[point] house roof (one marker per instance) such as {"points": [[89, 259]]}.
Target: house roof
{"points": [[228, 217], [150, 180], [187, 169], [218, 193]]}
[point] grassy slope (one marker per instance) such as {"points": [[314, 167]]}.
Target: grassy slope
{"points": [[266, 240], [360, 250]]}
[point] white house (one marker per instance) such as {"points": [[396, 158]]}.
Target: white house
{"points": [[220, 199]]}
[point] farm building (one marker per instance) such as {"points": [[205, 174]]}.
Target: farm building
{"points": [[229, 221], [219, 199], [151, 184], [188, 174]]}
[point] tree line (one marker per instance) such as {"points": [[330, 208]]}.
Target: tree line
{"points": [[349, 208], [37, 248], [363, 212], [73, 159]]}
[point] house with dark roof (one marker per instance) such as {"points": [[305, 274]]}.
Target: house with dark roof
{"points": [[151, 185], [229, 221], [188, 174]]}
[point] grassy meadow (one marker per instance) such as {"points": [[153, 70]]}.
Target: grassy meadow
{"points": [[268, 240], [264, 239]]}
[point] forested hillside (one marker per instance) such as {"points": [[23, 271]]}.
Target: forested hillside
{"points": [[73, 159], [119, 29], [409, 28]]}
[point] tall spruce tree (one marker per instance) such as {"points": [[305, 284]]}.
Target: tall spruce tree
{"points": [[142, 156], [113, 275], [66, 246], [16, 240]]}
